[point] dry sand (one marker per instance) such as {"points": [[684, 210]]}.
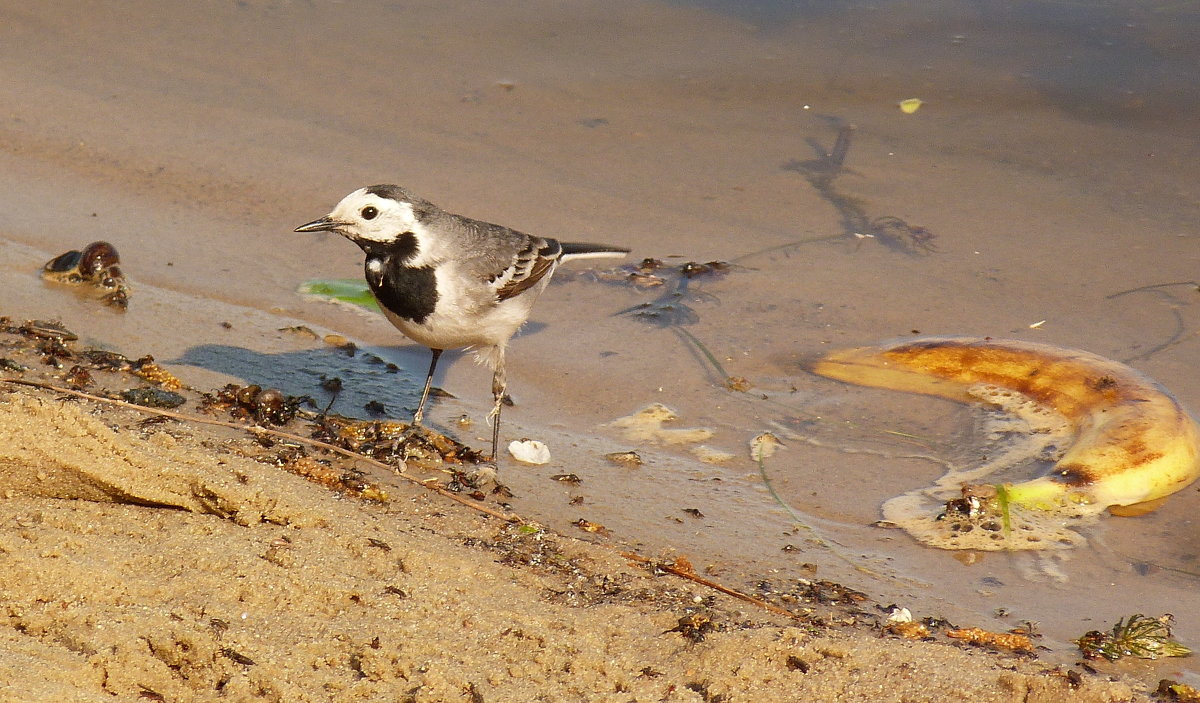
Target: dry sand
{"points": [[173, 561]]}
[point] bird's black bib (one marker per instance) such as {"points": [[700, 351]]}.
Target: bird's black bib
{"points": [[407, 291]]}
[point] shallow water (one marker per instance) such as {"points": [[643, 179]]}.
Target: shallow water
{"points": [[1054, 161]]}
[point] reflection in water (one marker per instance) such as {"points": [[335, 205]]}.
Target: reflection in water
{"points": [[821, 173]]}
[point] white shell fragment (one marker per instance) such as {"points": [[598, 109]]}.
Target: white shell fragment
{"points": [[530, 451], [764, 446]]}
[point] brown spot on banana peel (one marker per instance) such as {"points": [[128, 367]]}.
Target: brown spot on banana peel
{"points": [[1133, 442]]}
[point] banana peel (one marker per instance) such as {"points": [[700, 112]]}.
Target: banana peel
{"points": [[1130, 444]]}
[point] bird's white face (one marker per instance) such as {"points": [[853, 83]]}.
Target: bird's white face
{"points": [[372, 217], [363, 215]]}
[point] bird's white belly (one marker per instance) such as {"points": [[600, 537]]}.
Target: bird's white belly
{"points": [[462, 321]]}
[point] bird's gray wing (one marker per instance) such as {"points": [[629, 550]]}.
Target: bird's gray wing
{"points": [[531, 264], [511, 262]]}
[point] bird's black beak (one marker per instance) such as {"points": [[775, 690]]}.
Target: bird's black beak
{"points": [[325, 224]]}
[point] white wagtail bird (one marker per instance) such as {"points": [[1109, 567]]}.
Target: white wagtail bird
{"points": [[448, 281]]}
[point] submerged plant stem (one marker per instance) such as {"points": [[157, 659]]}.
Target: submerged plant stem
{"points": [[812, 531], [1154, 286], [788, 245], [704, 351]]}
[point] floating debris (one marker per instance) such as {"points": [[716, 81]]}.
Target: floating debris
{"points": [[47, 329], [152, 397], [1136, 636], [629, 459], [738, 383], [341, 342], [828, 592], [710, 455], [323, 473], [1175, 691], [146, 368], [671, 308], [105, 360], [979, 637], [641, 275], [10, 365], [301, 331], [691, 269], [910, 105], [389, 440], [899, 234], [646, 425], [78, 377], [593, 527], [264, 406], [910, 630], [901, 624], [98, 267]]}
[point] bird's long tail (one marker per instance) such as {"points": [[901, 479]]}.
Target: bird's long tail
{"points": [[582, 250]]}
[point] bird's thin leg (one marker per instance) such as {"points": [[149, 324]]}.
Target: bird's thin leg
{"points": [[499, 384], [425, 393]]}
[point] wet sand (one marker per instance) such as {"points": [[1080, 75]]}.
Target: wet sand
{"points": [[195, 138]]}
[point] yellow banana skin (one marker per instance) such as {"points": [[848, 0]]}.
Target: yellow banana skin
{"points": [[1133, 442]]}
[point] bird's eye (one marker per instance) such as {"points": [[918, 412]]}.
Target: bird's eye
{"points": [[369, 212]]}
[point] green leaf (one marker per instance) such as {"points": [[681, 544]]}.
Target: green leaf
{"points": [[341, 290]]}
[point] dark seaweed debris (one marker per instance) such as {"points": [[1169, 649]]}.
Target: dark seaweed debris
{"points": [[389, 440], [97, 267], [1136, 636], [267, 406], [152, 397], [672, 306]]}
